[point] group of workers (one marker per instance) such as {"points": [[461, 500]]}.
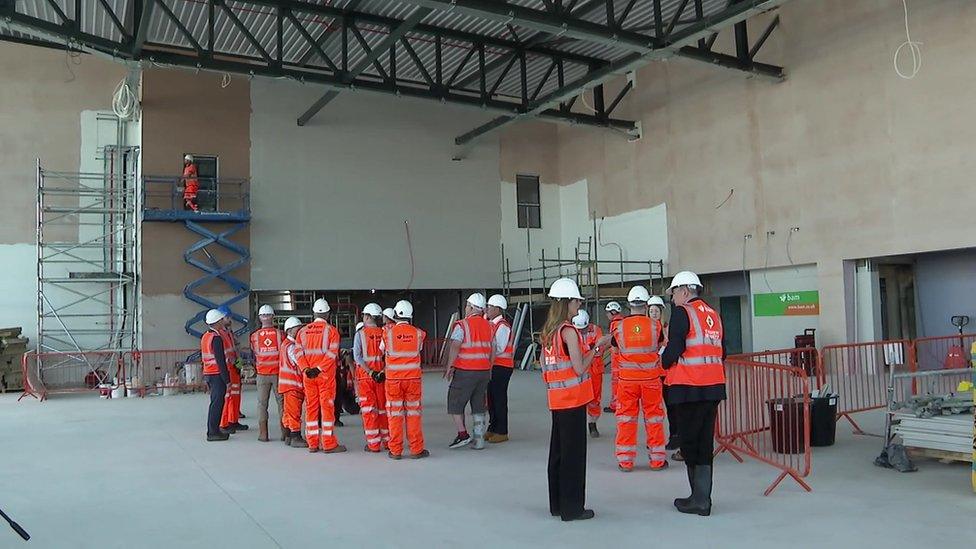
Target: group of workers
{"points": [[681, 363]]}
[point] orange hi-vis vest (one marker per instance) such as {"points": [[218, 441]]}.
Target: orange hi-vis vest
{"points": [[372, 356], [318, 343], [614, 354], [289, 374], [592, 334], [701, 363], [475, 353], [638, 339], [210, 367], [190, 183], [266, 343], [402, 346], [564, 388], [507, 357]]}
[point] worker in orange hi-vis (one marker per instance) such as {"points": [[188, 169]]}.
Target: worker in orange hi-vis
{"points": [[614, 313], [591, 334], [230, 419], [318, 350], [291, 386], [638, 340], [402, 346], [369, 378], [655, 309], [191, 185], [266, 346]]}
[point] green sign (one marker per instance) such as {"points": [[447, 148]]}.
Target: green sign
{"points": [[786, 304]]}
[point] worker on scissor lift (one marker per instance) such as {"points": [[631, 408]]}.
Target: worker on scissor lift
{"points": [[191, 185]]}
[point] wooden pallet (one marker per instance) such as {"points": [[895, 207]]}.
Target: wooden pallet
{"points": [[941, 455]]}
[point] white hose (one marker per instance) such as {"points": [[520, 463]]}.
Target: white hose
{"points": [[124, 101], [913, 47]]}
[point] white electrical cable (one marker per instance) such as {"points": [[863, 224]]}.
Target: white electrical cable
{"points": [[582, 97], [124, 101], [225, 80], [913, 47]]}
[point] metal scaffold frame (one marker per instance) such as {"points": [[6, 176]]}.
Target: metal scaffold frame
{"points": [[88, 242]]}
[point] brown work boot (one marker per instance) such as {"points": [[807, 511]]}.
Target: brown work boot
{"points": [[296, 440], [337, 450], [496, 438], [312, 450], [263, 431], [421, 454]]}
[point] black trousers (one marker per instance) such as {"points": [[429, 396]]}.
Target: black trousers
{"points": [[696, 429], [672, 418], [567, 462], [217, 391], [498, 400]]}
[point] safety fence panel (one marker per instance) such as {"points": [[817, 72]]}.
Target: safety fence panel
{"points": [[943, 353], [802, 357], [165, 371], [434, 353], [767, 418], [858, 374], [70, 372]]}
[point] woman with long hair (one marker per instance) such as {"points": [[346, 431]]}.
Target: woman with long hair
{"points": [[565, 370]]}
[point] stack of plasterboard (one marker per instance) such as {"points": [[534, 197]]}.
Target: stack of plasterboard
{"points": [[948, 433]]}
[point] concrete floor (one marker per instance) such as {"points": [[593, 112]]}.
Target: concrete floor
{"points": [[82, 472]]}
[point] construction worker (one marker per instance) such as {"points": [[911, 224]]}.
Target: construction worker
{"points": [[655, 309], [291, 385], [389, 317], [231, 416], [401, 346], [236, 389], [694, 359], [191, 185], [592, 333], [501, 369], [638, 338], [266, 346], [216, 371], [614, 313], [370, 377], [316, 354], [469, 361], [566, 371]]}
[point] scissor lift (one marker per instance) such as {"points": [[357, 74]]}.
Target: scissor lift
{"points": [[163, 202]]}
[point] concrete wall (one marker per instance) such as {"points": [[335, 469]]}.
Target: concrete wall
{"points": [[330, 198], [42, 103], [863, 162], [187, 112], [946, 285]]}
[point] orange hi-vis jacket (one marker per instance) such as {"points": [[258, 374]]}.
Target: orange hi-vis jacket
{"points": [[475, 353], [289, 375], [210, 367], [318, 343], [614, 354], [190, 183], [266, 345], [564, 388], [701, 363], [507, 358], [638, 340], [372, 356], [402, 347], [592, 334]]}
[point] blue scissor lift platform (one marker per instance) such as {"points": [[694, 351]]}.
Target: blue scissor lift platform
{"points": [[228, 206]]}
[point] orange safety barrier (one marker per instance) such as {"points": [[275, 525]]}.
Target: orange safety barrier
{"points": [[858, 374], [798, 357], [767, 418], [70, 372], [941, 353]]}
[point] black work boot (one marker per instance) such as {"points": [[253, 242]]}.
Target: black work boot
{"points": [[701, 493], [594, 433], [691, 482]]}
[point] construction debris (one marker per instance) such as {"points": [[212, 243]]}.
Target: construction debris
{"points": [[12, 348]]}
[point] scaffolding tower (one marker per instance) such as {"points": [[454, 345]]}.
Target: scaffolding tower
{"points": [[88, 242]]}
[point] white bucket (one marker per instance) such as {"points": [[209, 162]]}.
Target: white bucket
{"points": [[118, 391], [169, 386], [193, 372]]}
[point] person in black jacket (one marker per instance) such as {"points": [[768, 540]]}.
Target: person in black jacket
{"points": [[212, 348]]}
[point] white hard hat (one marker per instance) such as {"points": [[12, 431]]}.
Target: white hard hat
{"points": [[292, 322], [389, 313], [655, 300], [684, 278], [613, 306], [403, 309], [321, 306], [359, 326], [565, 288], [188, 158], [581, 319], [265, 310], [214, 316], [373, 309], [498, 300], [638, 294], [477, 299]]}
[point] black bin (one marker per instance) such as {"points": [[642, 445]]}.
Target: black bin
{"points": [[786, 425], [823, 420]]}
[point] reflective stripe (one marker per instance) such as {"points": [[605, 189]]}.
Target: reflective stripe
{"points": [[327, 433], [394, 403], [371, 431], [626, 364], [413, 403], [413, 412], [365, 409], [655, 419], [404, 367], [626, 418], [381, 412], [375, 440]]}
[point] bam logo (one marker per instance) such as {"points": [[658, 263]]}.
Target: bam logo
{"points": [[710, 321], [267, 341], [637, 329]]}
